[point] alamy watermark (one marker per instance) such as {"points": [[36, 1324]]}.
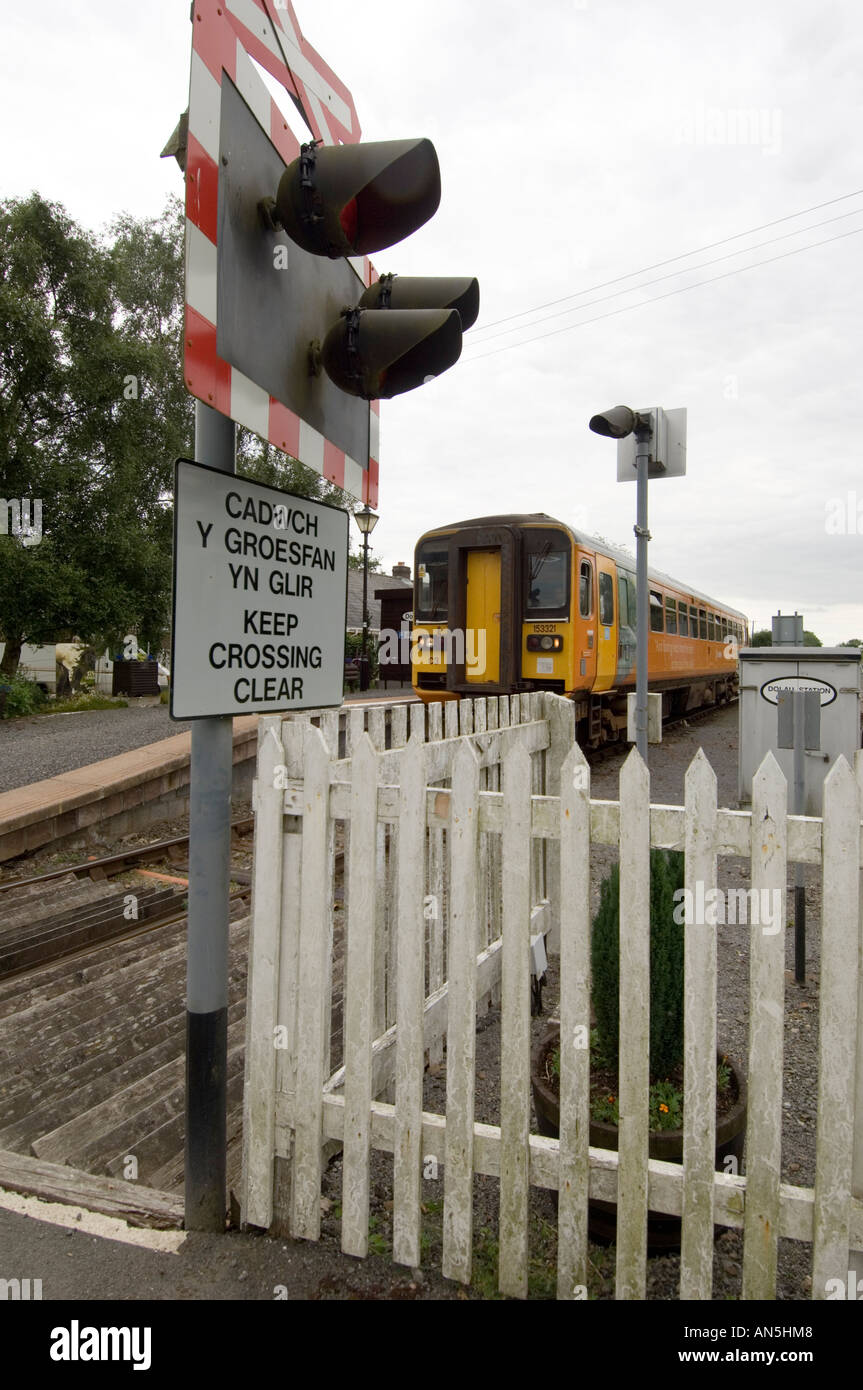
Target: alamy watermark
{"points": [[22, 519], [759, 127], [843, 516], [455, 647], [720, 907]]}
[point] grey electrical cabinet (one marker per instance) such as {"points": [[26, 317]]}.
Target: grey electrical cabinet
{"points": [[833, 726]]}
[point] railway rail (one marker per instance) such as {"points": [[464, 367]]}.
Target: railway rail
{"points": [[38, 928]]}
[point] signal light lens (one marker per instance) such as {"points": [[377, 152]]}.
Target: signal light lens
{"points": [[348, 220], [545, 643]]}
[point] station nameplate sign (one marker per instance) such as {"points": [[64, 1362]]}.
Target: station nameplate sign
{"points": [[260, 586]]}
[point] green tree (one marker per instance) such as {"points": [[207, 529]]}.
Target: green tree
{"points": [[762, 638], [92, 414], [810, 640]]}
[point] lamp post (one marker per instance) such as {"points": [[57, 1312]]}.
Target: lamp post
{"points": [[366, 520]]}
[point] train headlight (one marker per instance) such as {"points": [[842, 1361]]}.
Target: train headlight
{"points": [[545, 643]]}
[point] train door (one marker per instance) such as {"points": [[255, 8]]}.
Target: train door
{"points": [[482, 617], [606, 636]]}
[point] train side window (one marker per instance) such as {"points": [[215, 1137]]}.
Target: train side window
{"points": [[683, 619], [671, 616], [585, 589], [606, 600], [656, 624], [702, 624], [710, 628], [628, 602], [693, 621]]}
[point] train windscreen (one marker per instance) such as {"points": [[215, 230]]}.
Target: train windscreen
{"points": [[432, 583], [546, 575]]}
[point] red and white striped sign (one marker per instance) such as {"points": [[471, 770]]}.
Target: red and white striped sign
{"points": [[226, 35]]}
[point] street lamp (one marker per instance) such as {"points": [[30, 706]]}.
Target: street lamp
{"points": [[366, 520]]}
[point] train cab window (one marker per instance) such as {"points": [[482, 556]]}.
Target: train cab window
{"points": [[656, 624], [546, 574], [702, 624], [671, 616], [432, 583], [585, 589], [710, 628], [683, 619], [606, 600]]}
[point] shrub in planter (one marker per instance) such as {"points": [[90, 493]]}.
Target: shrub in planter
{"points": [[666, 965], [666, 1048]]}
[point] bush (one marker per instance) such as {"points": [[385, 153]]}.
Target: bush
{"points": [[666, 965], [23, 696]]}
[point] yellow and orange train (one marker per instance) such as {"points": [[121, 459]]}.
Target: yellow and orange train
{"points": [[511, 603]]}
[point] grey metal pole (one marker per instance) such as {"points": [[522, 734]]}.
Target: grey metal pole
{"points": [[207, 943], [365, 680], [799, 810], [642, 536]]}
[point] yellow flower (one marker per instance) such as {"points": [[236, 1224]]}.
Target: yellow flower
{"points": [[664, 1109]]}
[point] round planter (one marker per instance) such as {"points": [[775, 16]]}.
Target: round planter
{"points": [[663, 1231]]}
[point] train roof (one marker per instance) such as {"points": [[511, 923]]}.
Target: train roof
{"points": [[621, 557]]}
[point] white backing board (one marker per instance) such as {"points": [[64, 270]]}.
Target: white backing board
{"points": [[260, 585]]}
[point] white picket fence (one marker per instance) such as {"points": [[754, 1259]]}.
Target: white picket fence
{"points": [[471, 830]]}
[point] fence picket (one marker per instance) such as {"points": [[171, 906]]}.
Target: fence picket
{"points": [[766, 1020], [515, 1027], [451, 719], [359, 1000], [837, 1027], [699, 1031], [461, 1020], [259, 1091], [574, 1173], [398, 726], [315, 966], [633, 1078], [407, 1171], [465, 716], [417, 722]]}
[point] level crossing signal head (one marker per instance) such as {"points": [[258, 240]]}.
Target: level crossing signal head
{"points": [[616, 423], [352, 200], [404, 331]]}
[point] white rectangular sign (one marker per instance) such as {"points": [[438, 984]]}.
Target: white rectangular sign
{"points": [[260, 587], [667, 447]]}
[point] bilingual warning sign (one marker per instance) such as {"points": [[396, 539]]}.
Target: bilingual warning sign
{"points": [[260, 584]]}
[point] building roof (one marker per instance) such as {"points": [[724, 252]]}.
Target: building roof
{"points": [[355, 597]]}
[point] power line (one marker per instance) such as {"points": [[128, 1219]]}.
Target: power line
{"points": [[672, 274], [684, 255], [682, 289]]}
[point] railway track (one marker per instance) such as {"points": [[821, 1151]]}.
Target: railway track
{"points": [[66, 912]]}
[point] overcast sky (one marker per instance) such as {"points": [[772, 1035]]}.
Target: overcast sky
{"points": [[580, 141]]}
